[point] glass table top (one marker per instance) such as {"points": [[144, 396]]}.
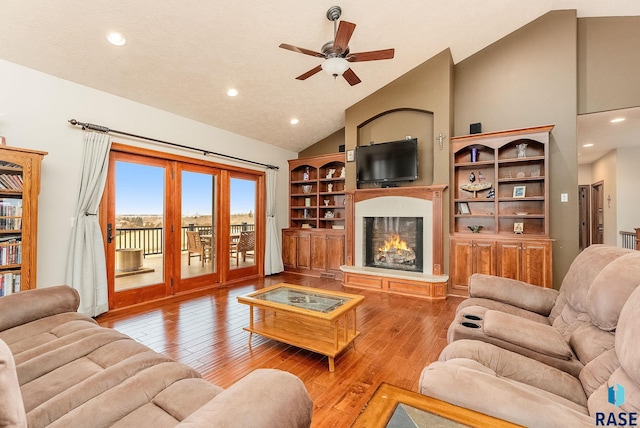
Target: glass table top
{"points": [[310, 300]]}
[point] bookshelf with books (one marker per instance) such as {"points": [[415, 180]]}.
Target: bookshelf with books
{"points": [[19, 189]]}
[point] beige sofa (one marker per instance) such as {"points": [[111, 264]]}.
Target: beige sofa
{"points": [[594, 331], [58, 368]]}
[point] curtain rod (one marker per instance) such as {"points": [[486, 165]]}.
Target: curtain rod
{"points": [[106, 130]]}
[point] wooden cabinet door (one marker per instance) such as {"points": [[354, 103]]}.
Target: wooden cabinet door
{"points": [[484, 257], [461, 263], [319, 251], [510, 260], [289, 249], [335, 252], [536, 263], [303, 257]]}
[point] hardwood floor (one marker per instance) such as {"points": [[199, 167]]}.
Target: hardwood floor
{"points": [[399, 337]]}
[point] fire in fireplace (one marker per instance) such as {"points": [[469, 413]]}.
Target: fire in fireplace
{"points": [[393, 243]]}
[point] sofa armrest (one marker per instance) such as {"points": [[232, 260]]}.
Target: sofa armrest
{"points": [[517, 293], [528, 334], [263, 398], [511, 365], [477, 389], [30, 305]]}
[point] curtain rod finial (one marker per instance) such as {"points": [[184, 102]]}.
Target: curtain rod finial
{"points": [[73, 121]]}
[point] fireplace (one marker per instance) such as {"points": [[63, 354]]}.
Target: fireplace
{"points": [[393, 243]]}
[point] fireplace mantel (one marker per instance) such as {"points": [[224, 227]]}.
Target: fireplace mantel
{"points": [[420, 284], [432, 193]]}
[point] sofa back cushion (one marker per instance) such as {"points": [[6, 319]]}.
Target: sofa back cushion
{"points": [[611, 289], [581, 274], [12, 412], [627, 343]]}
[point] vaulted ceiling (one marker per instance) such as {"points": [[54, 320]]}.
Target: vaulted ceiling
{"points": [[182, 56]]}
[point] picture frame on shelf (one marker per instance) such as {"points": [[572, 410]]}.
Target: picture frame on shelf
{"points": [[519, 191], [518, 228], [463, 208]]}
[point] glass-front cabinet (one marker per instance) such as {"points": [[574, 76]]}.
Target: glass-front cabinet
{"points": [[19, 189]]}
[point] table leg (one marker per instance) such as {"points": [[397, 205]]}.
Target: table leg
{"points": [[332, 364], [250, 323]]}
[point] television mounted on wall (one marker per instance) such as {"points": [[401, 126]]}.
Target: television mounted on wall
{"points": [[388, 162]]}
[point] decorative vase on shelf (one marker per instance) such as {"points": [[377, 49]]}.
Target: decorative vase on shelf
{"points": [[475, 228], [522, 150]]}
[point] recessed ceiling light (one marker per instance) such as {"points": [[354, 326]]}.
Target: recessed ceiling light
{"points": [[232, 92], [617, 119], [588, 145], [116, 39], [294, 121]]}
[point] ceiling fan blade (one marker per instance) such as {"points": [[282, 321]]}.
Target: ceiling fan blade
{"points": [[351, 77], [343, 35], [301, 50], [309, 73], [371, 55]]}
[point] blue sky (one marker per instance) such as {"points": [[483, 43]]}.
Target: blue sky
{"points": [[140, 190]]}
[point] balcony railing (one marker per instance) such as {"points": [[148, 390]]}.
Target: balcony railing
{"points": [[151, 239]]}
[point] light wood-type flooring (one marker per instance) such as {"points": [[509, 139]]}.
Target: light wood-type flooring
{"points": [[399, 337]]}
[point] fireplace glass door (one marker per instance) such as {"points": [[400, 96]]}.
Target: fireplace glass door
{"points": [[393, 243]]}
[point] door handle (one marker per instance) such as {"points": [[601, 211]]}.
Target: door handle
{"points": [[109, 233]]}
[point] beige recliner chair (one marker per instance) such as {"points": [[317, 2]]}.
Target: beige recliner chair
{"points": [[519, 389], [562, 329]]}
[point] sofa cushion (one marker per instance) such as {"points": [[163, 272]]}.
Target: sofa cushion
{"points": [[20, 308], [596, 373], [12, 412], [611, 289], [627, 343], [582, 272], [529, 334], [588, 341], [513, 292]]}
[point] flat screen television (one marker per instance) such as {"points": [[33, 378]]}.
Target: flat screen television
{"points": [[387, 162]]}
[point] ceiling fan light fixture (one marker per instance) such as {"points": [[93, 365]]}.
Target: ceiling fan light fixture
{"points": [[335, 66]]}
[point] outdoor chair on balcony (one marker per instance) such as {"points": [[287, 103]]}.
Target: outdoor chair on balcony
{"points": [[245, 246], [196, 248]]}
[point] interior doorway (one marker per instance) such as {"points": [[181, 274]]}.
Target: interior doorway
{"points": [[597, 213], [584, 192]]}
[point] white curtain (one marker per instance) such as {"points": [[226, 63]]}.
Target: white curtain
{"points": [[86, 264], [273, 248]]}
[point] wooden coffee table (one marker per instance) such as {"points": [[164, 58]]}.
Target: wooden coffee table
{"points": [[318, 320], [389, 400]]}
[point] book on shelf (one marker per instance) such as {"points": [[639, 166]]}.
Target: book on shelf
{"points": [[10, 250], [10, 214], [9, 283], [6, 164], [11, 181]]}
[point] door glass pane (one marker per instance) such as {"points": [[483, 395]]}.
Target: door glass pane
{"points": [[139, 226], [197, 224], [243, 233]]}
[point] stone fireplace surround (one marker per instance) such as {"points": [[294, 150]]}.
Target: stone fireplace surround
{"points": [[414, 201]]}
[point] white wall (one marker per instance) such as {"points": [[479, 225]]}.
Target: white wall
{"points": [[584, 175], [628, 178], [37, 107]]}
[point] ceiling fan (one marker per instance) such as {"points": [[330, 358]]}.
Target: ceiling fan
{"points": [[336, 52]]}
